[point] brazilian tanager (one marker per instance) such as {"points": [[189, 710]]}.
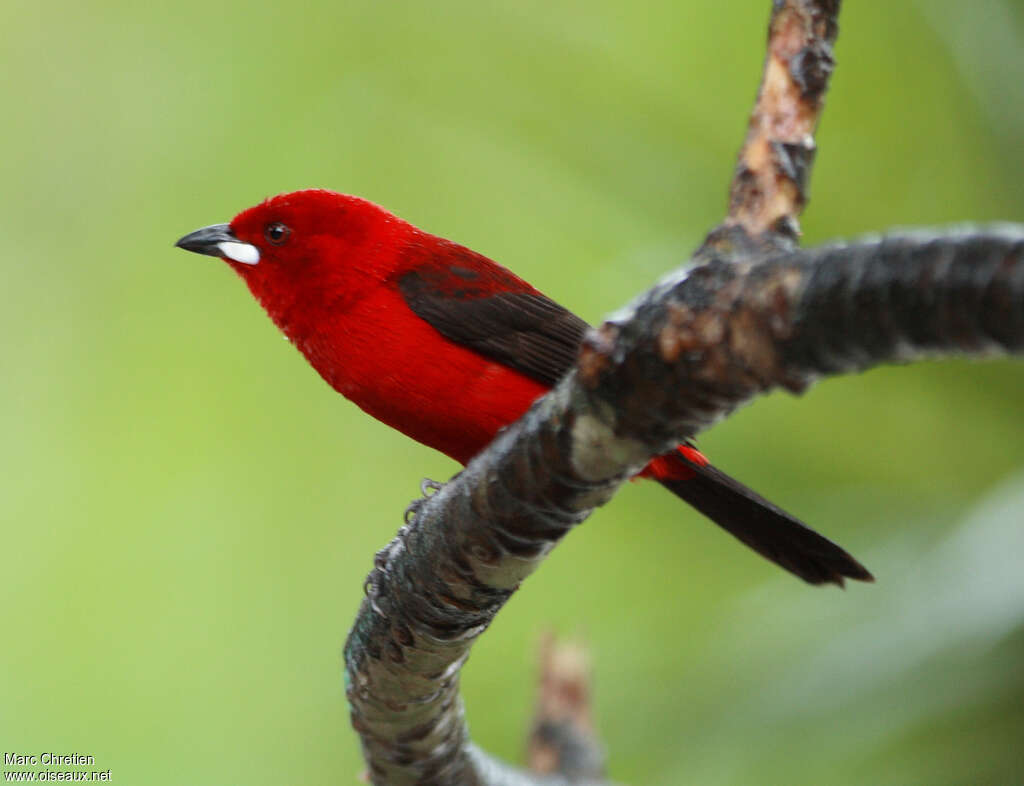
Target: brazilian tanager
{"points": [[448, 347]]}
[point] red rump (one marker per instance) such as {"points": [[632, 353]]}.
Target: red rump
{"points": [[675, 466]]}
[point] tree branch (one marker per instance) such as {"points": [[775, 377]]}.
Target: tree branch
{"points": [[729, 330], [685, 354]]}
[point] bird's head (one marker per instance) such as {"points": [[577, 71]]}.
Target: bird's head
{"points": [[305, 249]]}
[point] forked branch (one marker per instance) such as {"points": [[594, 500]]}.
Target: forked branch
{"points": [[689, 352], [754, 314]]}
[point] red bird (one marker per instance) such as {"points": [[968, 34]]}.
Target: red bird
{"points": [[448, 347]]}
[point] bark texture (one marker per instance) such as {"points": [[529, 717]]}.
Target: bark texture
{"points": [[684, 355]]}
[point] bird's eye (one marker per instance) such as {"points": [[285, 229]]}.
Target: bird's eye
{"points": [[276, 233]]}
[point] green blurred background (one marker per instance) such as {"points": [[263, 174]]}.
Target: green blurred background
{"points": [[188, 512]]}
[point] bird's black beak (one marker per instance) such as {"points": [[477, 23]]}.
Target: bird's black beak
{"points": [[208, 239], [217, 240]]}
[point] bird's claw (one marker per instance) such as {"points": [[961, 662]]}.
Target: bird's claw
{"points": [[428, 488]]}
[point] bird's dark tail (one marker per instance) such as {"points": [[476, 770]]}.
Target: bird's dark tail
{"points": [[752, 519]]}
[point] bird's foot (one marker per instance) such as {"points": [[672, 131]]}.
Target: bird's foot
{"points": [[428, 488], [381, 560]]}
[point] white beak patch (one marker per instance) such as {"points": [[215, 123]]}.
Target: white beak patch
{"points": [[240, 252]]}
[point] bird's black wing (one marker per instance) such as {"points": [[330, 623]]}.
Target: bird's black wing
{"points": [[491, 311]]}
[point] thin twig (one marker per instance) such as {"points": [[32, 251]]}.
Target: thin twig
{"points": [[562, 738], [769, 188]]}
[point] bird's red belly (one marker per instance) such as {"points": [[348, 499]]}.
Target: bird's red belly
{"points": [[459, 422], [406, 374]]}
